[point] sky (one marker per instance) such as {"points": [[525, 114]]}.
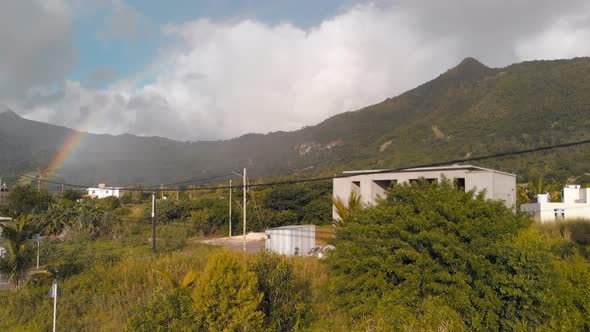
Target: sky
{"points": [[217, 69]]}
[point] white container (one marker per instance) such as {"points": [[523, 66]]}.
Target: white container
{"points": [[290, 240]]}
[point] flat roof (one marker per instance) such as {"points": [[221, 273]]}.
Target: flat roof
{"points": [[428, 169], [290, 227]]}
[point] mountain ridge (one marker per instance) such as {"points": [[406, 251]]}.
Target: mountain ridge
{"points": [[470, 109]]}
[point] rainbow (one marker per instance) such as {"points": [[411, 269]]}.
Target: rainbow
{"points": [[67, 147]]}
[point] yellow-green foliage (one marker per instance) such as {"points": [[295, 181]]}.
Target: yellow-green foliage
{"points": [[226, 296], [432, 259], [101, 298]]}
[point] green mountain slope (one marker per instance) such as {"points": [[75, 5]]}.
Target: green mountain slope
{"points": [[470, 110]]}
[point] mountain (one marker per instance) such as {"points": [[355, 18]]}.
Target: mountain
{"points": [[470, 110]]}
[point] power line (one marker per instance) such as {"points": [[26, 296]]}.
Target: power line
{"points": [[55, 182], [274, 183], [192, 180], [149, 188]]}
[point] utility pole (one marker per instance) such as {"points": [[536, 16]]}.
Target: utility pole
{"points": [[244, 208], [38, 181], [55, 306], [230, 207], [62, 191], [54, 292], [38, 240], [162, 191], [154, 222]]}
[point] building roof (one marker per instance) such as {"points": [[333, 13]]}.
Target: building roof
{"points": [[428, 169], [290, 227]]}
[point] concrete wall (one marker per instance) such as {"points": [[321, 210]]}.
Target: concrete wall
{"points": [[545, 212], [103, 192], [4, 194], [575, 194], [497, 185]]}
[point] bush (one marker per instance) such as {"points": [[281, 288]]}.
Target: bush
{"points": [[428, 241], [167, 311], [108, 203], [226, 296], [285, 302]]}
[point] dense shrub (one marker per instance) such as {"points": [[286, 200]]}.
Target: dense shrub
{"points": [[286, 299], [226, 296], [432, 242], [25, 199]]}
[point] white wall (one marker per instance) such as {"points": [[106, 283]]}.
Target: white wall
{"points": [[497, 186], [103, 192], [545, 212], [290, 240]]}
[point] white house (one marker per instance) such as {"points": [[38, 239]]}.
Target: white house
{"points": [[103, 191], [4, 221], [371, 185], [4, 193], [575, 203]]}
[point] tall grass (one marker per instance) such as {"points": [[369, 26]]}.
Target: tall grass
{"points": [[574, 230], [100, 298]]}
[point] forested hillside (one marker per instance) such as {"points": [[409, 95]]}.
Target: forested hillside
{"points": [[470, 110]]}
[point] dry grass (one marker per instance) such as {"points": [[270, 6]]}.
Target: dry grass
{"points": [[323, 234], [574, 230]]}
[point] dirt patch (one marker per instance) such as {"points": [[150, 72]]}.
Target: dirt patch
{"points": [[437, 132], [385, 145], [254, 242]]}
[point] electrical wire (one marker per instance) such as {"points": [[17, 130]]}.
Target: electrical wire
{"points": [[285, 182], [192, 180]]}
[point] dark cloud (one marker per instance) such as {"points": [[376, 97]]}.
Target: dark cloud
{"points": [[36, 46]]}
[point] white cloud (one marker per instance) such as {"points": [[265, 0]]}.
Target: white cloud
{"points": [[224, 79], [567, 38], [221, 79]]}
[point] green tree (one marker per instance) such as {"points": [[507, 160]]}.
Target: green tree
{"points": [[72, 195], [25, 199], [433, 241], [19, 249], [226, 296], [285, 302], [109, 203], [309, 202]]}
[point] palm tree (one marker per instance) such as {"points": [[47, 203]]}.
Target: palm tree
{"points": [[537, 185], [188, 280], [19, 249], [56, 218], [344, 210]]}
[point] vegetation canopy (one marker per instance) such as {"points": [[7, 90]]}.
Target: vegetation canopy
{"points": [[431, 253]]}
